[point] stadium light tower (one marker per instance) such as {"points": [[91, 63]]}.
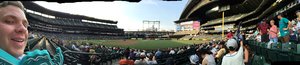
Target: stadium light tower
{"points": [[151, 25], [223, 9]]}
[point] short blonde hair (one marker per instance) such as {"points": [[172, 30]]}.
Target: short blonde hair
{"points": [[14, 3]]}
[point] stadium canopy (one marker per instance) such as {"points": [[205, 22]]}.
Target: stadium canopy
{"points": [[35, 7], [197, 8]]}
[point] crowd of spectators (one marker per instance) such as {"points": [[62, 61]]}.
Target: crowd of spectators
{"points": [[287, 31], [211, 53]]}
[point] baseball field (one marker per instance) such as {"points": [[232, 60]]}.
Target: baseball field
{"points": [[143, 44]]}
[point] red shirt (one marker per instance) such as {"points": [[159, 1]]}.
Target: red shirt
{"points": [[126, 62], [123, 62], [130, 62], [263, 27], [229, 35]]}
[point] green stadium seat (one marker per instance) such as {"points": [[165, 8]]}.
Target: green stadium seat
{"points": [[258, 60], [298, 48], [286, 47], [279, 45], [296, 57], [274, 46], [272, 55], [284, 56], [293, 47]]}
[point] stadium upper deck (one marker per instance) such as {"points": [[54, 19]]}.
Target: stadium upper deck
{"points": [[75, 26]]}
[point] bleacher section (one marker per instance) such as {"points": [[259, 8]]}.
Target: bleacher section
{"points": [[69, 22], [71, 57], [206, 37], [187, 37], [192, 32]]}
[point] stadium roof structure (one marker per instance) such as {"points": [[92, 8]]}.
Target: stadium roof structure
{"points": [[247, 11], [35, 7]]}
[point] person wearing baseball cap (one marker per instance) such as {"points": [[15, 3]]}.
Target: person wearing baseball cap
{"points": [[233, 57]]}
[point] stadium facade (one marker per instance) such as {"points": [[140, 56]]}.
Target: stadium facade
{"points": [[248, 12]]}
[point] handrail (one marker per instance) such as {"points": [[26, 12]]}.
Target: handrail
{"points": [[275, 54], [39, 44]]}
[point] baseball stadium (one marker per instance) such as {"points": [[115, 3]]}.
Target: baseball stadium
{"points": [[206, 32]]}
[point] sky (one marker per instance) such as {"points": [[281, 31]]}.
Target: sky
{"points": [[130, 15]]}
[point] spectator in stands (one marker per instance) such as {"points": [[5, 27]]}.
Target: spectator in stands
{"points": [[297, 20], [13, 29], [127, 52], [141, 61], [143, 53], [180, 51], [221, 52], [229, 35], [243, 35], [283, 28], [293, 32], [263, 28], [137, 53], [151, 60], [246, 54], [213, 48], [130, 62], [125, 61], [14, 37], [31, 35], [233, 57], [172, 51], [92, 57], [158, 53], [194, 59], [74, 47], [132, 54], [273, 33], [257, 35], [81, 47], [208, 57]]}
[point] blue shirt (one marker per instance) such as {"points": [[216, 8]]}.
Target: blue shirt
{"points": [[283, 23], [194, 59]]}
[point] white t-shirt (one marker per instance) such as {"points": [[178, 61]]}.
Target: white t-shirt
{"points": [[298, 26], [210, 60], [152, 62], [235, 58], [172, 52]]}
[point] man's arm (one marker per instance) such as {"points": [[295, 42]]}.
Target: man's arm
{"points": [[204, 62], [289, 25], [240, 51], [246, 55]]}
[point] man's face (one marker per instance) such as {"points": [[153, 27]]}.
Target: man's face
{"points": [[13, 30], [279, 16]]}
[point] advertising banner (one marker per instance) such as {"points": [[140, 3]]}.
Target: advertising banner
{"points": [[196, 25]]}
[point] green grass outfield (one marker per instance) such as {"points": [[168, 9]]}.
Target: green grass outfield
{"points": [[143, 44]]}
